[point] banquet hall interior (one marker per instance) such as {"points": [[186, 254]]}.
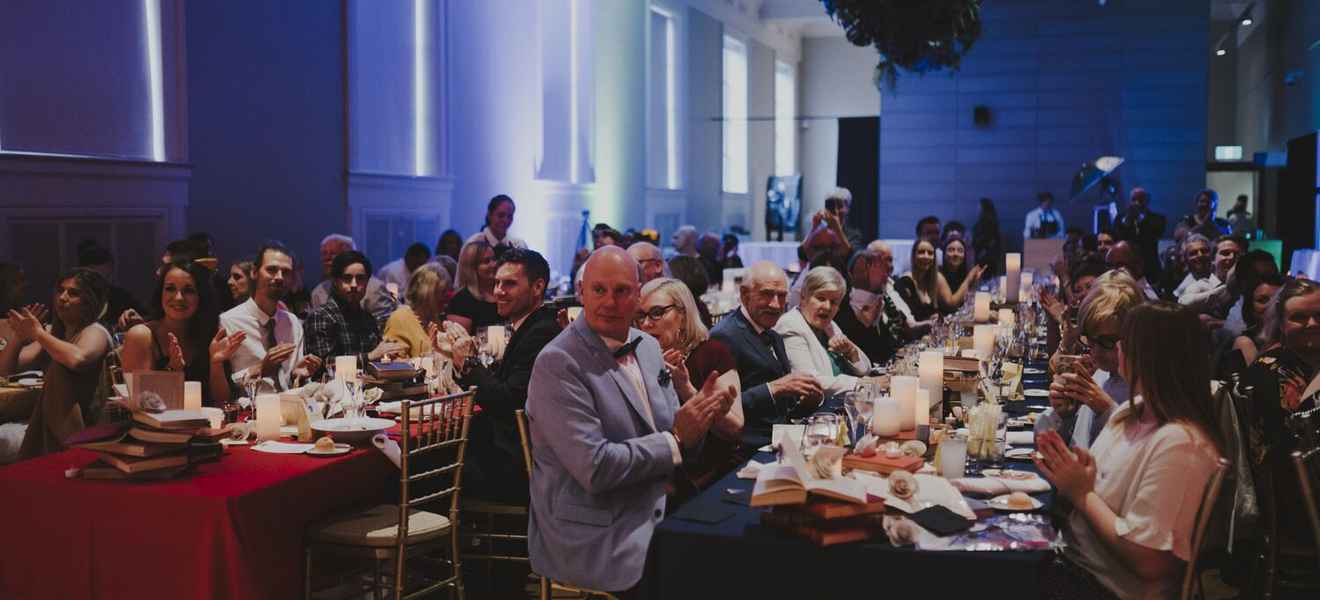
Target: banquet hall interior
{"points": [[659, 298]]}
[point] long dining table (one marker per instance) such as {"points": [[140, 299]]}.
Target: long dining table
{"points": [[715, 546]]}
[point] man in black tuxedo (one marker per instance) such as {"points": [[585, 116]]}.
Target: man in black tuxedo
{"points": [[771, 393], [494, 465], [1144, 228]]}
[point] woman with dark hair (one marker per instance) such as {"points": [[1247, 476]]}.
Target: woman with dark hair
{"points": [[690, 271], [72, 353], [1289, 340], [1130, 532], [449, 244], [986, 240], [954, 268], [1256, 296], [186, 336], [925, 290], [495, 231]]}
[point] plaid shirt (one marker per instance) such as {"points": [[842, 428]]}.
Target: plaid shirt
{"points": [[329, 331]]}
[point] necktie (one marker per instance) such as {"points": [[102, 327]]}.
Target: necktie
{"points": [[627, 348], [270, 333], [770, 337]]}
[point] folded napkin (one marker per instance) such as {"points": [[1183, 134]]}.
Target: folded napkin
{"points": [[388, 447], [941, 521], [1021, 438], [753, 469], [995, 486]]}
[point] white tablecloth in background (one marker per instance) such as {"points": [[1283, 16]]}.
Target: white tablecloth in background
{"points": [[1306, 261]]}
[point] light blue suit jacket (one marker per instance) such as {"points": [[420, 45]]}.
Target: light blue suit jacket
{"points": [[599, 467]]}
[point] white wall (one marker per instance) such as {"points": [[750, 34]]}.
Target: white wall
{"points": [[834, 80]]}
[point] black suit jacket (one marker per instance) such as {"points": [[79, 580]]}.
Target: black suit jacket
{"points": [[758, 364], [878, 346], [494, 466], [1145, 233]]}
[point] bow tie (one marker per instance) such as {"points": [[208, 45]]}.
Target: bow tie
{"points": [[627, 348]]}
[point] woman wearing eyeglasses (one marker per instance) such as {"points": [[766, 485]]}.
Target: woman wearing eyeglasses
{"points": [[669, 314], [1090, 387]]}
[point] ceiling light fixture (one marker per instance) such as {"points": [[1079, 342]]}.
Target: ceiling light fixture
{"points": [[1221, 52], [1247, 22]]}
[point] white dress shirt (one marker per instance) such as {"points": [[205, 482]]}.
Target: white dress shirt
{"points": [[395, 272], [489, 238], [898, 301], [1038, 215], [250, 319], [1152, 476], [1191, 284]]}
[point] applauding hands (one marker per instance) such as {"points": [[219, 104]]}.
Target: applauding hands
{"points": [[694, 418]]}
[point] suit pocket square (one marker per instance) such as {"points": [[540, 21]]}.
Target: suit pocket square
{"points": [[585, 515]]}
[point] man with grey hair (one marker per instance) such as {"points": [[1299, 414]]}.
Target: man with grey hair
{"points": [[685, 241], [1197, 256], [649, 258], [377, 301], [772, 393]]}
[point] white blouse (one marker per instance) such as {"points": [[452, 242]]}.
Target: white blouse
{"points": [[807, 354], [1152, 476]]}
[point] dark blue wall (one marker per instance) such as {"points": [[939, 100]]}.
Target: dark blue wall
{"points": [[266, 124], [1066, 81]]}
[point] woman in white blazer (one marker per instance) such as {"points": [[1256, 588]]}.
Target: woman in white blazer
{"points": [[813, 342]]}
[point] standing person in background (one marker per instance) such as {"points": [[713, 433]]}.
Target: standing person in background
{"points": [[1202, 219], [449, 244], [684, 241], [1044, 221], [1240, 220], [495, 231], [987, 242], [1143, 227]]}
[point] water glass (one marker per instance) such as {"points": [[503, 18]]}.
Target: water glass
{"points": [[822, 430], [953, 457]]}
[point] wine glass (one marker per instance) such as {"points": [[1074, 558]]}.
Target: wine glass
{"points": [[822, 430], [484, 353]]}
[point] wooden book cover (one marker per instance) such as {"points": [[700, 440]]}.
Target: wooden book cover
{"points": [[883, 464], [820, 532], [134, 465], [789, 482], [173, 419], [102, 470], [826, 509], [135, 448]]}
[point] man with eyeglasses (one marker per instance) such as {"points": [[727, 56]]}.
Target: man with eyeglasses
{"points": [[649, 258], [771, 391], [341, 326]]}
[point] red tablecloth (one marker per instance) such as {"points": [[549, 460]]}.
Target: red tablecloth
{"points": [[232, 529]]}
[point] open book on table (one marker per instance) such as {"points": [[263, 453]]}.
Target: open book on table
{"points": [[789, 482]]}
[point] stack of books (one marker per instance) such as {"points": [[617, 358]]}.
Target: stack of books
{"points": [[153, 445], [828, 522]]}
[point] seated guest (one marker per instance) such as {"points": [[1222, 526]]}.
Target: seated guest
{"points": [[395, 274], [668, 313], [187, 336], [954, 268], [239, 283], [869, 317], [1215, 295], [924, 288], [1093, 384], [450, 244], [1289, 360], [72, 354], [494, 465], [771, 392], [1138, 489], [1174, 270], [1125, 255], [1261, 292], [378, 300], [690, 271], [708, 250], [272, 345], [94, 256], [499, 218], [928, 229], [1197, 257], [607, 433], [1064, 335], [427, 296], [684, 240], [814, 343], [298, 300], [729, 258], [907, 328], [473, 306], [953, 229], [650, 258], [341, 327]]}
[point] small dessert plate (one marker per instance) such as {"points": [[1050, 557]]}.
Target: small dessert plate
{"points": [[1036, 393], [1033, 371], [339, 449], [1020, 454], [1001, 503]]}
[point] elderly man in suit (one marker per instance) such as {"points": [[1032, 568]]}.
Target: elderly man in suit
{"points": [[607, 433], [771, 391]]}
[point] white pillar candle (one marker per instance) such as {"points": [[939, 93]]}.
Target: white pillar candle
{"points": [[1027, 279], [192, 395], [885, 420], [1007, 318], [904, 389], [930, 367], [982, 311], [215, 415], [1013, 271], [921, 412], [268, 417], [983, 340], [346, 368]]}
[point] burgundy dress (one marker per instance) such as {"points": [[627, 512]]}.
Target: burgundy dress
{"points": [[718, 455]]}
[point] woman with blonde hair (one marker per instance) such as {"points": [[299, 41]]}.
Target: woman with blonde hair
{"points": [[473, 306], [1136, 492], [813, 342], [427, 296]]}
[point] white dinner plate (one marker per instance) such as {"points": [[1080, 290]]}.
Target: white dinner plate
{"points": [[339, 449], [1036, 393], [1001, 503], [1033, 371], [31, 382], [1020, 453]]}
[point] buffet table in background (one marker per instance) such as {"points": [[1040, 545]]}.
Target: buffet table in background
{"points": [[231, 529]]}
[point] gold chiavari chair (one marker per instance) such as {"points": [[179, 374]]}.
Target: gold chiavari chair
{"points": [[434, 434], [1191, 585]]}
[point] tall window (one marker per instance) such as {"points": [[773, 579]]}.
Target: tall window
{"points": [[735, 116], [785, 119], [662, 107]]}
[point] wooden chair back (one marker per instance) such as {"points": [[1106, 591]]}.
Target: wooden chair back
{"points": [[1209, 497], [1307, 464], [525, 438]]}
